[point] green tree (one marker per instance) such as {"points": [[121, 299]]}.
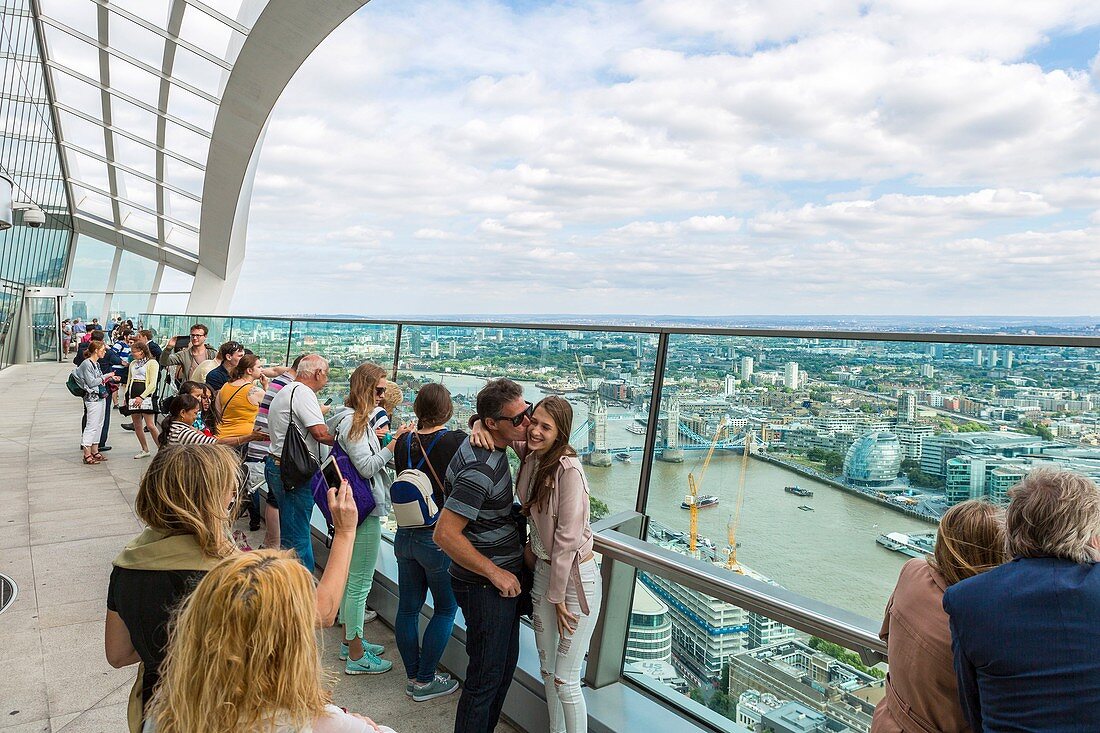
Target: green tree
{"points": [[971, 427], [597, 509], [834, 461]]}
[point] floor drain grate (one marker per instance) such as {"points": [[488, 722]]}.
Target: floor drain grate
{"points": [[8, 592]]}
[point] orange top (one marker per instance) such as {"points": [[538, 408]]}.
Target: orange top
{"points": [[238, 412]]}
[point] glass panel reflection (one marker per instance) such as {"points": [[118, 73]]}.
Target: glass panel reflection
{"points": [[346, 346], [267, 338]]}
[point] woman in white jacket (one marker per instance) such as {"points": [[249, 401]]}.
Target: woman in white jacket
{"points": [[353, 427]]}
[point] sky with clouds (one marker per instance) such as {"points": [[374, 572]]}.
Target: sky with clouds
{"points": [[686, 157]]}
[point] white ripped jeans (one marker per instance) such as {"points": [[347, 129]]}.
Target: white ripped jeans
{"points": [[560, 657]]}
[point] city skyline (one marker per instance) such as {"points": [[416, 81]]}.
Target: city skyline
{"points": [[643, 158]]}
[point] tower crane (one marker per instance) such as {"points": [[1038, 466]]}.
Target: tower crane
{"points": [[735, 520], [693, 487]]}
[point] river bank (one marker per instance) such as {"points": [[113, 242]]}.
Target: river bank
{"points": [[818, 476]]}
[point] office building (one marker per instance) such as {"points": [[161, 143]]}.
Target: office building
{"points": [[873, 460], [790, 375], [746, 368], [907, 407]]}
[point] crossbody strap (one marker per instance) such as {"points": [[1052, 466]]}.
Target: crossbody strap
{"points": [[424, 457]]}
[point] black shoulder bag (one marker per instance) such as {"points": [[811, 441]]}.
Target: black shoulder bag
{"points": [[297, 463]]}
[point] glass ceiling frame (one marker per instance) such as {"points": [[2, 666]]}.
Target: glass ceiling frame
{"points": [[117, 111]]}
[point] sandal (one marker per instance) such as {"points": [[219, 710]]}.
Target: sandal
{"points": [[89, 460], [99, 457]]}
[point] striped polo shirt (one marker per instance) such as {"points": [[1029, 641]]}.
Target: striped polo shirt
{"points": [[478, 486]]}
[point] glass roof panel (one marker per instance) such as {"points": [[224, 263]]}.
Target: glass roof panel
{"points": [[182, 238], [181, 207], [185, 142], [190, 108], [206, 32], [154, 11], [74, 93], [135, 155], [78, 15], [199, 72], [82, 133], [137, 190], [134, 119], [72, 52], [172, 280], [90, 202], [131, 80], [89, 170], [184, 176], [134, 40], [137, 221]]}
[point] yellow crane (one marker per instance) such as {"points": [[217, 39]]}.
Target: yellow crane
{"points": [[693, 486], [735, 520]]}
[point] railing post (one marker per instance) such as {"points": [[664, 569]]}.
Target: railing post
{"points": [[651, 422], [608, 648], [289, 338], [396, 353]]}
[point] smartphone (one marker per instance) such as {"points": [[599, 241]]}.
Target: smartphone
{"points": [[331, 471], [328, 401], [180, 343]]}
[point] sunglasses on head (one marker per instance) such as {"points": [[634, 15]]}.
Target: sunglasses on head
{"points": [[518, 419]]}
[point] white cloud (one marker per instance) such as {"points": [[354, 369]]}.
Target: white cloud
{"points": [[659, 155]]}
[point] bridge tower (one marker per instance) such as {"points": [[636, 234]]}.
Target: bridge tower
{"points": [[598, 455], [672, 452]]}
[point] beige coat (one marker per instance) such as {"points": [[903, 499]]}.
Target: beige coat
{"points": [[563, 525], [921, 692]]}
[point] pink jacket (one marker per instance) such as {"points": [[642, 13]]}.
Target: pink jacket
{"points": [[921, 692], [563, 525]]}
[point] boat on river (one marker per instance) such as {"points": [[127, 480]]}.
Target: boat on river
{"points": [[805, 507], [701, 502], [624, 457], [635, 429], [798, 491], [913, 545]]}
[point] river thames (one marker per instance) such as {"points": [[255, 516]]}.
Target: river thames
{"points": [[829, 554]]}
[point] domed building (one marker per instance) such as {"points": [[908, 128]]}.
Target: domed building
{"points": [[873, 460]]}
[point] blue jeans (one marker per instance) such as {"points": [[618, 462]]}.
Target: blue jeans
{"points": [[421, 566], [492, 643], [295, 510]]}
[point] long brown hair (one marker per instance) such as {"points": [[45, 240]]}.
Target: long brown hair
{"points": [[361, 396], [242, 654], [184, 491], [971, 540], [542, 485]]}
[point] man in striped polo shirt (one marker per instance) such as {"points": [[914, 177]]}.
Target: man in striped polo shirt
{"points": [[478, 529]]}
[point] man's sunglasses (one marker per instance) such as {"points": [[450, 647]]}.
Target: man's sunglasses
{"points": [[518, 419]]}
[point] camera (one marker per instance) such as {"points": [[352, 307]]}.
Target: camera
{"points": [[34, 217]]}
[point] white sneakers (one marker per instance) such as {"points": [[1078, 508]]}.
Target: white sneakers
{"points": [[141, 454]]}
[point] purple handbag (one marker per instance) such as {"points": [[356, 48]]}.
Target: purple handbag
{"points": [[360, 487]]}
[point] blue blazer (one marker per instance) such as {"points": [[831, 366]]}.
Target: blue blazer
{"points": [[1026, 642]]}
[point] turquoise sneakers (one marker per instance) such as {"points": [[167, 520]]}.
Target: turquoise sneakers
{"points": [[375, 649], [367, 664]]}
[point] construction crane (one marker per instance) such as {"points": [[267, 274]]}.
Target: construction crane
{"points": [[735, 520], [693, 486]]}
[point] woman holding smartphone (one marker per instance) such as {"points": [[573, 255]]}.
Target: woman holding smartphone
{"points": [[354, 425], [141, 383], [90, 377]]}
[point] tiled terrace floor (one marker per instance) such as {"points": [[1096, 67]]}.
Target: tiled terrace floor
{"points": [[61, 524]]}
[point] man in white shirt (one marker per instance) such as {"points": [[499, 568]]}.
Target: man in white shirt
{"points": [[296, 505]]}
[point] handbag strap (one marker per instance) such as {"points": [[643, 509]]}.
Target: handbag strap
{"points": [[424, 456], [235, 394]]}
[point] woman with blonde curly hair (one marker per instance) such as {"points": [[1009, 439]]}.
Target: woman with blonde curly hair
{"points": [[184, 499], [264, 674]]}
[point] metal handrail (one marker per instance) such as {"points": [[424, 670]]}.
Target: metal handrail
{"points": [[830, 623], [1083, 342]]}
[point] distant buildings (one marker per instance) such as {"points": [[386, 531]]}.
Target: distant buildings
{"points": [[793, 671], [790, 375], [907, 407], [937, 450], [746, 368]]}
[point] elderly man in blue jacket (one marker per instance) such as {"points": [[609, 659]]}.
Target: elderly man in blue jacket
{"points": [[1026, 635]]}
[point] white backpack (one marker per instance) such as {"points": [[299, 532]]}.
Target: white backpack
{"points": [[411, 493]]}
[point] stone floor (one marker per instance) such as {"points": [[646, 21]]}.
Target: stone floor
{"points": [[61, 524]]}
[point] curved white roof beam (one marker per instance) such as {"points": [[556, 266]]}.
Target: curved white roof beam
{"points": [[284, 35]]}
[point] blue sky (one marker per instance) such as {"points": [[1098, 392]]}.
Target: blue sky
{"points": [[687, 157]]}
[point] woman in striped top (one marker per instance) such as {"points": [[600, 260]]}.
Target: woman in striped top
{"points": [[178, 428]]}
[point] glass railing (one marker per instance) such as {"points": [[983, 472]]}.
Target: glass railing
{"points": [[821, 462]]}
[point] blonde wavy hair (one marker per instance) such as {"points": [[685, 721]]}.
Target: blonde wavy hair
{"points": [[1054, 513], [361, 396], [184, 492], [392, 400], [242, 654], [971, 540]]}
